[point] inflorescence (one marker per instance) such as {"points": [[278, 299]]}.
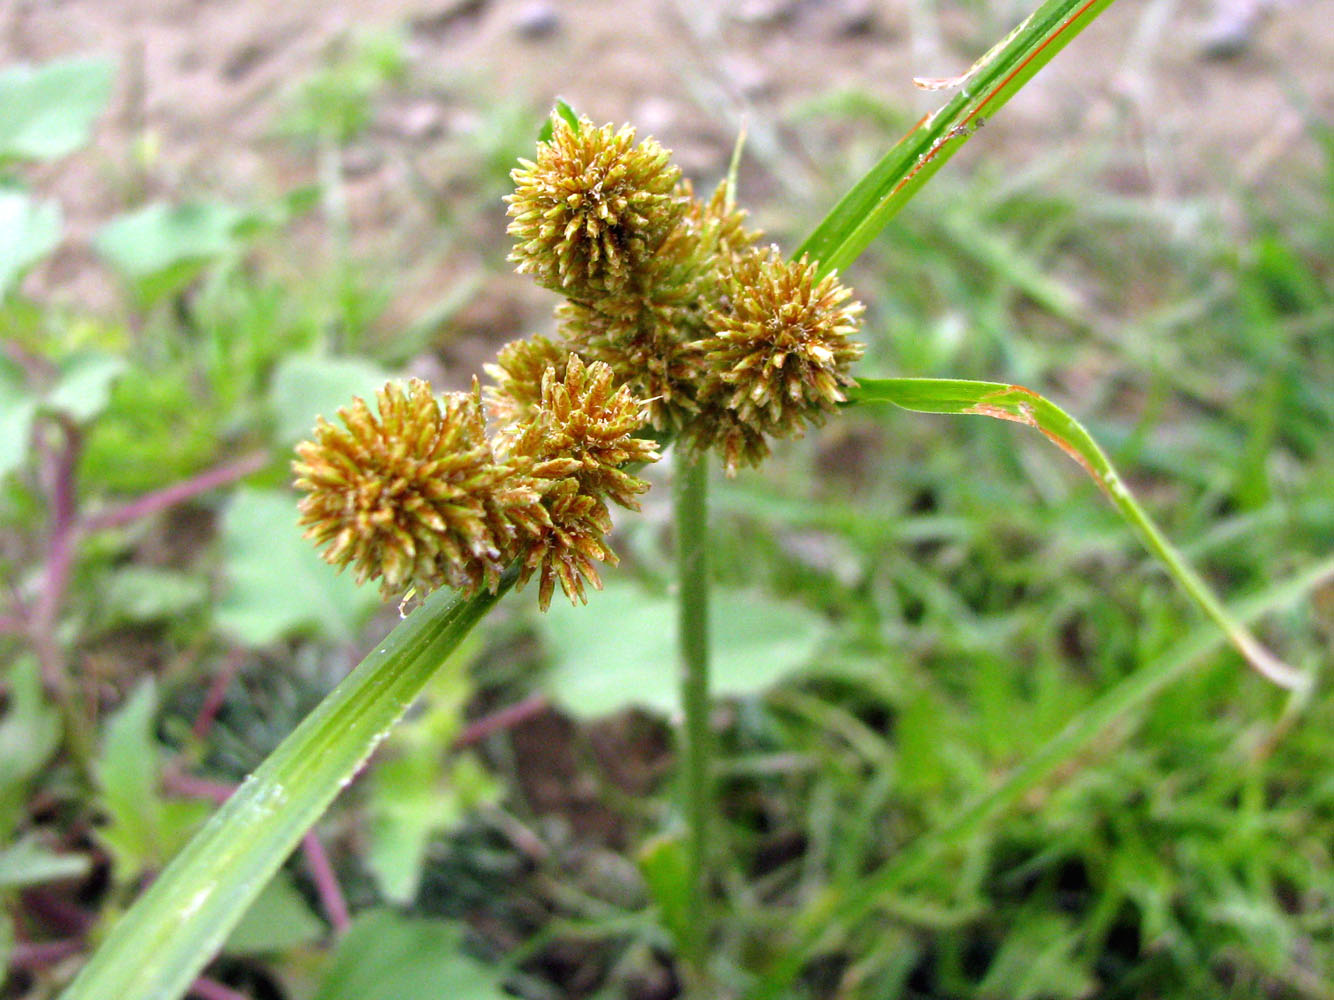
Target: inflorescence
{"points": [[673, 317]]}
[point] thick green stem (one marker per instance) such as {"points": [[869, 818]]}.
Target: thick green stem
{"points": [[159, 946], [692, 573]]}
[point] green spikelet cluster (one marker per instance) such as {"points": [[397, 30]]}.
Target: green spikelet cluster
{"points": [[577, 443], [592, 209], [730, 345], [418, 496], [413, 496]]}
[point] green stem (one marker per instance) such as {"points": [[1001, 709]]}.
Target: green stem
{"points": [[692, 572], [177, 926]]}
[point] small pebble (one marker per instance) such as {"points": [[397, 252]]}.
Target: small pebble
{"points": [[537, 20]]}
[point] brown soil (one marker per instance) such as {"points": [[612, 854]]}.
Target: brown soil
{"points": [[206, 80]]}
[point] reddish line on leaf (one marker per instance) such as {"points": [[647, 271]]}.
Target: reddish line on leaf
{"points": [[1030, 57], [1022, 413]]}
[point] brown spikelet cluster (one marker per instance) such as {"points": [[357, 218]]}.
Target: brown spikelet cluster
{"points": [[671, 317], [577, 444], [418, 496], [777, 357], [517, 373], [592, 209], [413, 496]]}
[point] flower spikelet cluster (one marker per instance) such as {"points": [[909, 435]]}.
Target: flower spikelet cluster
{"points": [[578, 441], [517, 373], [592, 209], [777, 357], [672, 316], [413, 496], [644, 331]]}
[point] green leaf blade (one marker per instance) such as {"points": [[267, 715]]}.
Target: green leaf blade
{"points": [[29, 230], [176, 927], [47, 112], [1020, 405], [865, 210]]}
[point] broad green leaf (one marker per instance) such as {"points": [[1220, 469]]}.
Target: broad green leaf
{"points": [[17, 411], [664, 863], [136, 594], [304, 388], [48, 111], [29, 230], [412, 798], [161, 247], [143, 829], [620, 651], [84, 387], [28, 863], [386, 956], [1023, 406], [29, 735], [277, 584], [279, 919], [127, 776]]}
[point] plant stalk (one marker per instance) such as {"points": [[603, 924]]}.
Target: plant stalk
{"points": [[690, 506]]}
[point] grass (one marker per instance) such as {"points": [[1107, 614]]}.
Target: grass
{"points": [[981, 595]]}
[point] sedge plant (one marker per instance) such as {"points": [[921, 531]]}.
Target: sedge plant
{"points": [[677, 325]]}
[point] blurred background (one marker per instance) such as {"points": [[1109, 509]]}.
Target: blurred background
{"points": [[225, 218]]}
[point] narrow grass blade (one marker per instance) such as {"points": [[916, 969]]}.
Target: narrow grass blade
{"points": [[856, 220], [842, 910], [158, 947], [1013, 402]]}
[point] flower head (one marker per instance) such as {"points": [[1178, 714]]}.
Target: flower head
{"points": [[575, 444], [413, 496], [517, 372], [777, 357], [592, 208]]}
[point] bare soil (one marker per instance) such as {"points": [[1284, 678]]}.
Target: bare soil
{"points": [[1211, 93]]}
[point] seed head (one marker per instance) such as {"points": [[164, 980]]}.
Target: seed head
{"points": [[777, 357], [517, 372], [415, 496], [574, 444], [592, 209]]}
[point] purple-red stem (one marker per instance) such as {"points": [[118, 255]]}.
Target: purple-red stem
{"points": [[505, 718], [27, 955], [326, 884], [195, 787], [58, 466], [217, 692], [211, 989], [169, 496]]}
